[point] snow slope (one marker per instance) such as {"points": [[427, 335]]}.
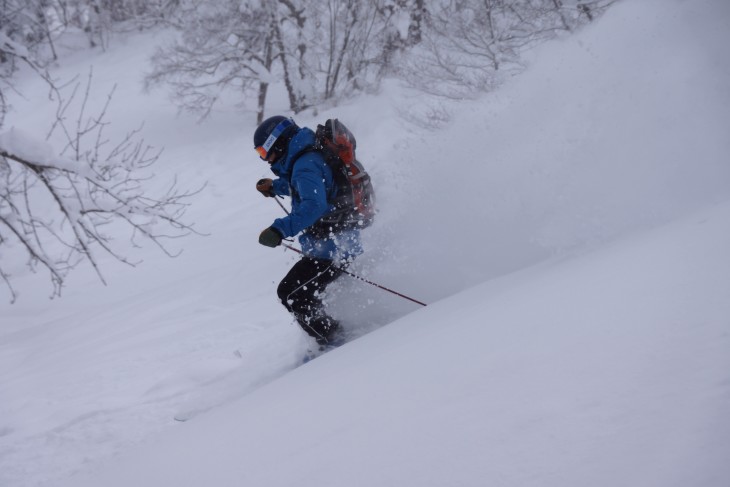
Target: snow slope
{"points": [[605, 364], [609, 369]]}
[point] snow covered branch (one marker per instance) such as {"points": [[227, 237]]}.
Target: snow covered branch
{"points": [[61, 209]]}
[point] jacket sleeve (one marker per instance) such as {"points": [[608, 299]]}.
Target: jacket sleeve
{"points": [[308, 181], [281, 187]]}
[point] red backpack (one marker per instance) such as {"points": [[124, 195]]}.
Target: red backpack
{"points": [[355, 189]]}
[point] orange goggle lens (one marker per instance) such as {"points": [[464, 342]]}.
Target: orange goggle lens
{"points": [[262, 152]]}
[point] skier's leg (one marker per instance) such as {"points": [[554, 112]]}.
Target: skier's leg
{"points": [[299, 292]]}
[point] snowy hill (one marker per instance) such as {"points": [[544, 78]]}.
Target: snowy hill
{"points": [[569, 231], [610, 369]]}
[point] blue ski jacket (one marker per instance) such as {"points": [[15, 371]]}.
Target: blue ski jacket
{"points": [[311, 186]]}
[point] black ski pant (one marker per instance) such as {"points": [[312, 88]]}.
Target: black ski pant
{"points": [[300, 292]]}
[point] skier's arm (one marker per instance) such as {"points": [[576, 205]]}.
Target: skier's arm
{"points": [[280, 187], [309, 185]]}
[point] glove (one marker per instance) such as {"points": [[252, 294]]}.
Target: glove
{"points": [[264, 186], [270, 237]]}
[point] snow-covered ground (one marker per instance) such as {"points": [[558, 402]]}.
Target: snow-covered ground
{"points": [[570, 232]]}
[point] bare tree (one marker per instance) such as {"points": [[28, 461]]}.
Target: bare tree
{"points": [[63, 209], [417, 12], [13, 53], [292, 20], [25, 22], [228, 45], [321, 50], [468, 45], [333, 48], [100, 18]]}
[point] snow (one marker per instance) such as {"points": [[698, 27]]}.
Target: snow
{"points": [[22, 144], [8, 45], [507, 381], [569, 232]]}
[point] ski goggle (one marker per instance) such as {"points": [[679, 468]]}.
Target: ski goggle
{"points": [[263, 150]]}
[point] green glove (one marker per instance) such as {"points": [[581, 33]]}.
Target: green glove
{"points": [[270, 237]]}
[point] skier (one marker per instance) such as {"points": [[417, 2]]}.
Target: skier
{"points": [[327, 245]]}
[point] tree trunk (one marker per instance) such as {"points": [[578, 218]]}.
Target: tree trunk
{"points": [[295, 102]]}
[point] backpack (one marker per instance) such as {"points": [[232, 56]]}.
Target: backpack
{"points": [[355, 198]]}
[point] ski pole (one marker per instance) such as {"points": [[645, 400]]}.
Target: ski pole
{"points": [[364, 280], [350, 273], [282, 206]]}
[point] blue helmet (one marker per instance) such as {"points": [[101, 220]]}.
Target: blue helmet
{"points": [[273, 135]]}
